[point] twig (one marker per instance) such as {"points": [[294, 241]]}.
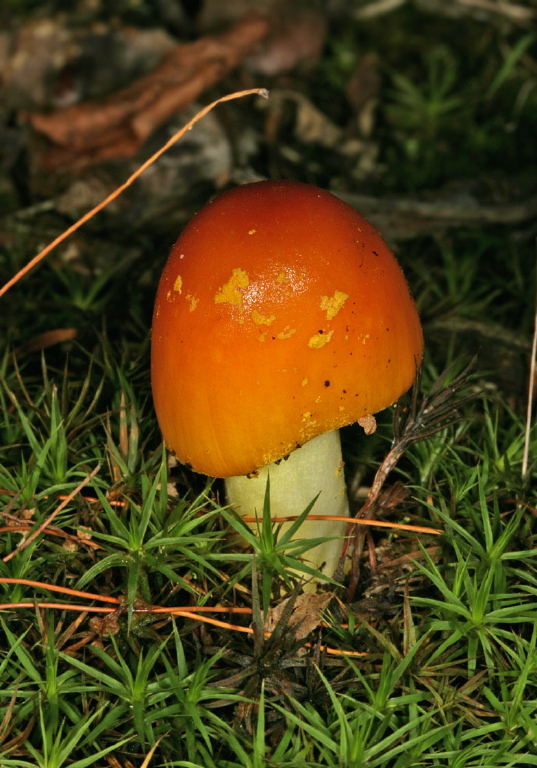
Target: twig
{"points": [[59, 606], [454, 210], [516, 13], [63, 590], [87, 216], [353, 521], [51, 517], [487, 331], [184, 613], [378, 8], [525, 456], [52, 531], [438, 409]]}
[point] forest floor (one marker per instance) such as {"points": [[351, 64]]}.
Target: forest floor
{"points": [[421, 115]]}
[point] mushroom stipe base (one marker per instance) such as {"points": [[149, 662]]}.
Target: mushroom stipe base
{"points": [[315, 468]]}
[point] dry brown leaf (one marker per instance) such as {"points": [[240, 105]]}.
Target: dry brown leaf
{"points": [[306, 615], [296, 38], [114, 762], [118, 125], [311, 125], [364, 82], [44, 340], [362, 91]]}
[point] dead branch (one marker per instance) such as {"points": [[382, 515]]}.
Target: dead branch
{"points": [[517, 14], [403, 218], [378, 8]]}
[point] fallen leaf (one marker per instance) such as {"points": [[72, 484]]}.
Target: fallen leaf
{"points": [[311, 125], [364, 82], [296, 38], [44, 340], [118, 125], [306, 615]]}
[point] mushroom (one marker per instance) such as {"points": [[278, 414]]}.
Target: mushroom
{"points": [[281, 316]]}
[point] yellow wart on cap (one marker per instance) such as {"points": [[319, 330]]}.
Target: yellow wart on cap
{"points": [[286, 333], [319, 340], [260, 319], [332, 304], [178, 284], [230, 292], [193, 302]]}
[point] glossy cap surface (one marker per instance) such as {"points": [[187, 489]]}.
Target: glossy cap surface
{"points": [[280, 314]]}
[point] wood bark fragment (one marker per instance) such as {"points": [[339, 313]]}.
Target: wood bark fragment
{"points": [[403, 218], [516, 13], [481, 9]]}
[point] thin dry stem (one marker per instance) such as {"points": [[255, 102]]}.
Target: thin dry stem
{"points": [[518, 13], [525, 457], [379, 8], [87, 216], [353, 521], [439, 409], [44, 525], [63, 590]]}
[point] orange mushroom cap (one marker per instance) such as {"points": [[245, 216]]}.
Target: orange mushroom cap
{"points": [[280, 314]]}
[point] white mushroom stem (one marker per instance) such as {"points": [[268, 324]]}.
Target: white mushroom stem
{"points": [[315, 468]]}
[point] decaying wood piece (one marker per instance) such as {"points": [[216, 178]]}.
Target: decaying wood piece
{"points": [[461, 211], [378, 8], [403, 218], [118, 125], [517, 13], [514, 12]]}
